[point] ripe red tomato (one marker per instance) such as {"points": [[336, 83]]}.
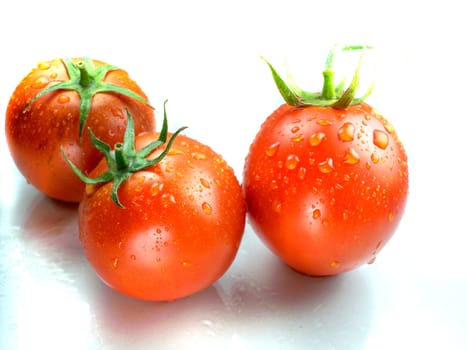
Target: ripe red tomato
{"points": [[180, 226], [325, 187], [53, 104]]}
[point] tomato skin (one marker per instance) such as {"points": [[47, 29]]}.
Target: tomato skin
{"points": [[180, 229], [326, 188], [35, 135]]}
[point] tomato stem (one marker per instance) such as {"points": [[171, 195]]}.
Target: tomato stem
{"points": [[121, 158], [85, 79], [328, 91]]}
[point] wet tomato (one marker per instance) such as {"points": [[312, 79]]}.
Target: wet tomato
{"points": [[168, 223], [53, 104], [326, 181]]}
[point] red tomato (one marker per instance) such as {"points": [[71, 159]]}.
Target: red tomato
{"points": [[179, 230], [36, 131], [326, 187]]}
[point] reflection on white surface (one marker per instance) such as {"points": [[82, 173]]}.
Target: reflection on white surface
{"points": [[54, 296]]}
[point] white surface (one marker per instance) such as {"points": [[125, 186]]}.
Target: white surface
{"points": [[204, 57]]}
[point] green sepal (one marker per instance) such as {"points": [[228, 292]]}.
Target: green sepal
{"points": [[125, 159], [335, 96], [87, 80]]}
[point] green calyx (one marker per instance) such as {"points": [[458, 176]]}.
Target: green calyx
{"points": [[332, 95], [125, 159], [87, 80]]}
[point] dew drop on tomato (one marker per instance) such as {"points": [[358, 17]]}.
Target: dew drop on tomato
{"points": [[198, 156], [295, 129], [324, 122], [63, 99], [115, 263], [301, 173], [346, 132], [326, 166], [40, 83], [206, 208], [297, 138], [274, 185], [272, 149], [380, 139], [351, 156], [43, 65], [388, 127], [316, 138], [205, 183], [374, 158], [316, 214], [291, 161]]}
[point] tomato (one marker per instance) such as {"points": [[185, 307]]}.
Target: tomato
{"points": [[325, 185], [51, 107], [177, 225]]}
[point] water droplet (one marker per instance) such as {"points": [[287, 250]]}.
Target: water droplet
{"points": [[115, 263], [133, 257], [380, 139], [277, 206], [206, 208], [372, 260], [389, 128], [53, 75], [291, 161], [205, 183], [374, 158], [198, 156], [316, 138], [301, 173], [274, 185], [297, 138], [156, 188], [390, 216], [272, 149], [167, 199], [334, 264], [175, 151], [316, 214], [346, 132], [294, 129], [63, 98], [326, 166], [351, 156], [323, 122], [43, 65], [40, 83]]}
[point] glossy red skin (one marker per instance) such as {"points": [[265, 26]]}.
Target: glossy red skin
{"points": [[35, 136], [180, 230], [325, 203]]}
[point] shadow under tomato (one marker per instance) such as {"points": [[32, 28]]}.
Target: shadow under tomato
{"points": [[125, 322], [295, 310]]}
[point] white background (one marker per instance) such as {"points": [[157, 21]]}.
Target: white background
{"points": [[204, 57]]}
